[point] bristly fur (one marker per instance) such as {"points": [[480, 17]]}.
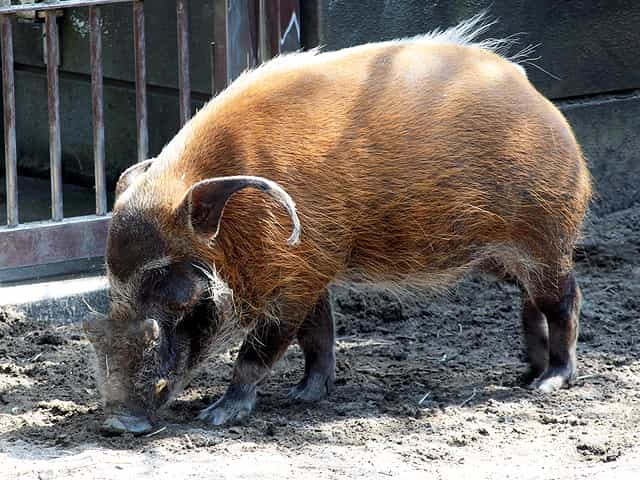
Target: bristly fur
{"points": [[454, 212], [411, 163], [465, 34], [222, 296]]}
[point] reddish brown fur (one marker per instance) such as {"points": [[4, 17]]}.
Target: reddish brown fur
{"points": [[406, 162], [411, 163]]}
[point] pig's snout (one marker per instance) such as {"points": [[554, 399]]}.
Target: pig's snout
{"points": [[124, 422], [121, 419]]}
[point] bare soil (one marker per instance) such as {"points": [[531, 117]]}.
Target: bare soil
{"points": [[427, 388]]}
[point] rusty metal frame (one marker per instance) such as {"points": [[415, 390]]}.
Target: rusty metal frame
{"points": [[60, 240], [59, 5], [24, 248], [40, 243], [141, 80], [53, 97], [9, 107], [97, 109], [184, 60]]}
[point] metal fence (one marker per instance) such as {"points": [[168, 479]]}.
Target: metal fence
{"points": [[29, 250]]}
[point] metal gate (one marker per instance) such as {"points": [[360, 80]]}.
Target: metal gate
{"points": [[246, 33]]}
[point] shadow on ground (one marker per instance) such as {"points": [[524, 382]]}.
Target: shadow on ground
{"points": [[442, 369]]}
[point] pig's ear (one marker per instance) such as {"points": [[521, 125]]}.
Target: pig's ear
{"points": [[130, 174], [204, 203]]}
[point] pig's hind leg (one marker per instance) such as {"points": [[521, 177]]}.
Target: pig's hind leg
{"points": [[534, 323], [550, 315], [560, 303], [317, 340]]}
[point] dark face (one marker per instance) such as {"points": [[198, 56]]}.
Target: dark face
{"points": [[163, 321], [167, 309]]}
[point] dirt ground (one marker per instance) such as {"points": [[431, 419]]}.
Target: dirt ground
{"points": [[426, 388]]}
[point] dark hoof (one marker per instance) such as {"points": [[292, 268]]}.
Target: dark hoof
{"points": [[312, 388], [119, 424], [528, 377], [236, 404], [553, 379]]}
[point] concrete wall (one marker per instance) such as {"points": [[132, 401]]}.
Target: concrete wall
{"points": [[589, 48]]}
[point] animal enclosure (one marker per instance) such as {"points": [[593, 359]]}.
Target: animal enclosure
{"points": [[246, 33]]}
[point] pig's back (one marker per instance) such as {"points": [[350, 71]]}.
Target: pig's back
{"points": [[402, 157]]}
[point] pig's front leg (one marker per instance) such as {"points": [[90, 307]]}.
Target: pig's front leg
{"points": [[259, 352]]}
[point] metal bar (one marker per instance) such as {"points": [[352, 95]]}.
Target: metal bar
{"points": [[212, 52], [141, 80], [53, 93], [56, 5], [279, 25], [184, 75], [49, 242], [273, 30], [9, 110], [253, 34], [263, 33], [220, 53], [227, 10], [97, 109]]}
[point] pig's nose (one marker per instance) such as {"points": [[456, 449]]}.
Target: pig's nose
{"points": [[119, 423]]}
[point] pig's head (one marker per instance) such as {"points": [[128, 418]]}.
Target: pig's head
{"points": [[168, 307]]}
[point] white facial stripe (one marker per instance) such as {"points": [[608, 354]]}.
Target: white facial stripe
{"points": [[128, 289]]}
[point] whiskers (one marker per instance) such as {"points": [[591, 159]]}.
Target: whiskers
{"points": [[226, 324]]}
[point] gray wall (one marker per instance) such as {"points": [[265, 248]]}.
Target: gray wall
{"points": [[591, 46]]}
